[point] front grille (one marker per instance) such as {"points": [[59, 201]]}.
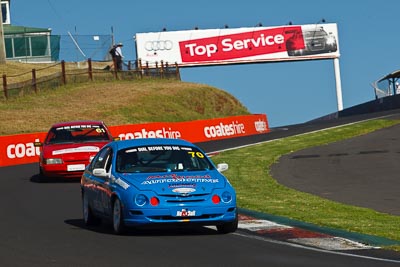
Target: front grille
{"points": [[180, 198]]}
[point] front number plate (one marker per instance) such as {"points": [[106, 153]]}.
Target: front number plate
{"points": [[76, 167]]}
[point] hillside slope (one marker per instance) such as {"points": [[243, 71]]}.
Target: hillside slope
{"points": [[117, 103]]}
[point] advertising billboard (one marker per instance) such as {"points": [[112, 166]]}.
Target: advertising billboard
{"points": [[20, 149], [238, 45]]}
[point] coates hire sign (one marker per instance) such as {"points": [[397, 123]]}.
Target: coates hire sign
{"points": [[240, 45], [19, 149]]}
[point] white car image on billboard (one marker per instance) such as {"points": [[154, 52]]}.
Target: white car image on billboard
{"points": [[311, 42]]}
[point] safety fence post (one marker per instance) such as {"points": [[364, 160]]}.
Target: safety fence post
{"points": [[90, 69], [34, 84], [63, 73], [5, 86]]}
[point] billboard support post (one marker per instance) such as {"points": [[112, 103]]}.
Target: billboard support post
{"points": [[338, 84]]}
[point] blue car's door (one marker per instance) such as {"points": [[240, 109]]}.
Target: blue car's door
{"points": [[99, 199]]}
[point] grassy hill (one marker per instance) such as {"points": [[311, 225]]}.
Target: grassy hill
{"points": [[116, 103]]}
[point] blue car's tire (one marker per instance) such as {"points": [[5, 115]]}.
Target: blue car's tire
{"points": [[229, 227], [88, 216], [117, 218]]}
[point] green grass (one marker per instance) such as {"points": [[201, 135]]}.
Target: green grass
{"points": [[249, 172]]}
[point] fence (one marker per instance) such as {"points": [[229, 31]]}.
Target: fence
{"points": [[62, 73]]}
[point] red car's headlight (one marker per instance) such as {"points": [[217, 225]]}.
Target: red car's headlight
{"points": [[52, 161]]}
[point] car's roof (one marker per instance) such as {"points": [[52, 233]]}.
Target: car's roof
{"points": [[151, 141], [78, 122]]}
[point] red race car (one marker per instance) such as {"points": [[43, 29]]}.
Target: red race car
{"points": [[70, 146]]}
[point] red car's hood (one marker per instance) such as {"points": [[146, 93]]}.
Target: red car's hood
{"points": [[72, 150]]}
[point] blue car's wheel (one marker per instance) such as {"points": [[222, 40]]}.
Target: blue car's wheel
{"points": [[88, 216], [229, 227], [117, 219]]}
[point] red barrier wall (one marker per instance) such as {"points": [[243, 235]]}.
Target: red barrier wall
{"points": [[19, 148]]}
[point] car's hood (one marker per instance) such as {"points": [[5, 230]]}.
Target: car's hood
{"points": [[192, 182], [67, 150]]}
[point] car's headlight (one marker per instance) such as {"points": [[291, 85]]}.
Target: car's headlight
{"points": [[140, 200], [330, 40], [53, 161], [226, 197]]}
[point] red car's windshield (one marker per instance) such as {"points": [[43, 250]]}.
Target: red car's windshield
{"points": [[76, 134]]}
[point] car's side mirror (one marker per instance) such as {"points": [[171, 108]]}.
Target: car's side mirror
{"points": [[100, 172], [221, 167]]}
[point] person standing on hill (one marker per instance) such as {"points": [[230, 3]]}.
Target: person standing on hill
{"points": [[119, 56], [113, 58]]}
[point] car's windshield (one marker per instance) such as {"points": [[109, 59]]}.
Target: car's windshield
{"points": [[77, 134], [315, 34], [162, 158]]}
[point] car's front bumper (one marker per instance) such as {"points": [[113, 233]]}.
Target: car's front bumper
{"points": [[61, 170], [197, 215]]}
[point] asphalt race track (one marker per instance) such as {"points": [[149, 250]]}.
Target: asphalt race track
{"points": [[362, 171], [41, 223]]}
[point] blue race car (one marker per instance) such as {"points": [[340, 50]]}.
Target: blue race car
{"points": [[157, 181]]}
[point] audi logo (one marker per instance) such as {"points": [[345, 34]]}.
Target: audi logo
{"points": [[158, 45]]}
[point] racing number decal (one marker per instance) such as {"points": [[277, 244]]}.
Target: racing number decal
{"points": [[196, 154], [100, 130]]}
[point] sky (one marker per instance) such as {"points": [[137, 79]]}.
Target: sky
{"points": [[287, 92]]}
